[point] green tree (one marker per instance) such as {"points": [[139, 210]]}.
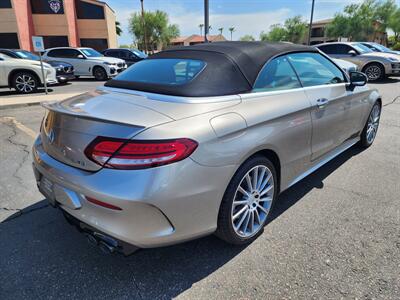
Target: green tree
{"points": [[231, 30], [356, 22], [221, 29], [295, 29], [247, 38], [383, 12], [157, 28], [394, 24], [276, 33], [201, 28], [118, 29]]}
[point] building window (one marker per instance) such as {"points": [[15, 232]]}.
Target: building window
{"points": [[317, 32], [47, 7], [9, 40], [85, 10], [98, 44], [5, 4], [55, 41]]}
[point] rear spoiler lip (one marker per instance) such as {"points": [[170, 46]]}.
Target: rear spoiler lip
{"points": [[56, 107]]}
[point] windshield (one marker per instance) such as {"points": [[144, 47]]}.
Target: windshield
{"points": [[361, 48], [139, 53], [91, 52], [381, 48], [26, 55], [170, 71]]}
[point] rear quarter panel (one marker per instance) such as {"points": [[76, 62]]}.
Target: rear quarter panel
{"points": [[278, 121]]}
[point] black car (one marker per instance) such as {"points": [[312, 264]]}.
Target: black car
{"points": [[64, 70], [130, 56]]}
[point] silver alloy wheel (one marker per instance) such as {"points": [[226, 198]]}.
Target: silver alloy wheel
{"points": [[252, 201], [373, 123], [25, 83], [373, 72]]}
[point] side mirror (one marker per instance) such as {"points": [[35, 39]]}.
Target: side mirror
{"points": [[358, 79], [80, 56], [352, 53]]}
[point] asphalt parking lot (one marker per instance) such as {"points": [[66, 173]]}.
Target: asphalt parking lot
{"points": [[335, 234]]}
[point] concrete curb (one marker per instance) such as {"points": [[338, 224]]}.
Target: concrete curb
{"points": [[19, 101]]}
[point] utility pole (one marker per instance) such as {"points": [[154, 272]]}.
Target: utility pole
{"points": [[206, 21], [144, 28], [311, 21]]}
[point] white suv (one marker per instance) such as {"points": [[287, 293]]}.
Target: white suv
{"points": [[24, 75], [87, 61]]}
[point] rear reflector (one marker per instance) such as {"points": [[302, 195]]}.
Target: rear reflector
{"points": [[131, 154], [104, 204]]}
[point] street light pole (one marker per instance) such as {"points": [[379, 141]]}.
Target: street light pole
{"points": [[311, 21], [206, 20], [144, 28]]}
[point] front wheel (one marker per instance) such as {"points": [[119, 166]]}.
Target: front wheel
{"points": [[100, 74], [247, 201], [25, 82], [374, 72], [371, 127]]}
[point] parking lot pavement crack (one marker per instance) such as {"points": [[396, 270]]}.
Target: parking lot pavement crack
{"points": [[393, 101], [348, 191], [21, 212], [21, 146]]}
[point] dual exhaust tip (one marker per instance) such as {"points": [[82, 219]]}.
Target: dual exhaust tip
{"points": [[106, 244]]}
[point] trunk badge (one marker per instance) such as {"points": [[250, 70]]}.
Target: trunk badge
{"points": [[51, 136]]}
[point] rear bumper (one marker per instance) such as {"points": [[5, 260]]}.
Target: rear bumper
{"points": [[160, 206]]}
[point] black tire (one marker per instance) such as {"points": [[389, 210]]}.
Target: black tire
{"points": [[100, 74], [225, 229], [374, 71], [25, 82], [365, 138]]}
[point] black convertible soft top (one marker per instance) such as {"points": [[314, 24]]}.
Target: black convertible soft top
{"points": [[231, 68]]}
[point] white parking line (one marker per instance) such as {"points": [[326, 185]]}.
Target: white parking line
{"points": [[20, 126]]}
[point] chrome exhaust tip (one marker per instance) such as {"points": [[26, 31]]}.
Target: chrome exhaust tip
{"points": [[91, 239], [105, 248]]}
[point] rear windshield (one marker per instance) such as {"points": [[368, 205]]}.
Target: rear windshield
{"points": [[166, 71]]}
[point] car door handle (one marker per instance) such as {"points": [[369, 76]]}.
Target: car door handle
{"points": [[322, 102]]}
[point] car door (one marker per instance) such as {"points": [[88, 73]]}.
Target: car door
{"points": [[3, 77], [128, 56], [82, 65], [277, 113], [335, 110]]}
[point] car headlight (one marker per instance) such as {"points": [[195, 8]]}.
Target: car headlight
{"points": [[393, 59], [108, 63]]}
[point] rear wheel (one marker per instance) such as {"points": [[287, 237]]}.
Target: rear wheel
{"points": [[247, 201], [374, 71], [371, 127], [100, 74], [25, 82]]}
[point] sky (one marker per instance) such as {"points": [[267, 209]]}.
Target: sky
{"points": [[247, 16]]}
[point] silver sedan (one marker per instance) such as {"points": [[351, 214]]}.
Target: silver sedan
{"points": [[198, 140]]}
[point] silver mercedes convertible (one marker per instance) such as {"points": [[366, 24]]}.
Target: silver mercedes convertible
{"points": [[198, 140]]}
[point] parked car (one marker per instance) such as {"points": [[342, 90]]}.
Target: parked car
{"points": [[87, 62], [375, 65], [204, 145], [64, 71], [379, 48], [130, 56], [25, 76], [347, 66]]}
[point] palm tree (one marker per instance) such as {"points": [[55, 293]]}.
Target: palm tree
{"points": [[201, 28], [220, 30], [118, 28], [231, 29], [209, 28]]}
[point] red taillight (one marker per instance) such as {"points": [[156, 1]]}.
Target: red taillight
{"points": [[101, 203], [130, 154]]}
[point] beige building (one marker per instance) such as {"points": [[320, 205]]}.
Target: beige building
{"points": [[86, 23], [318, 34], [195, 39]]}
